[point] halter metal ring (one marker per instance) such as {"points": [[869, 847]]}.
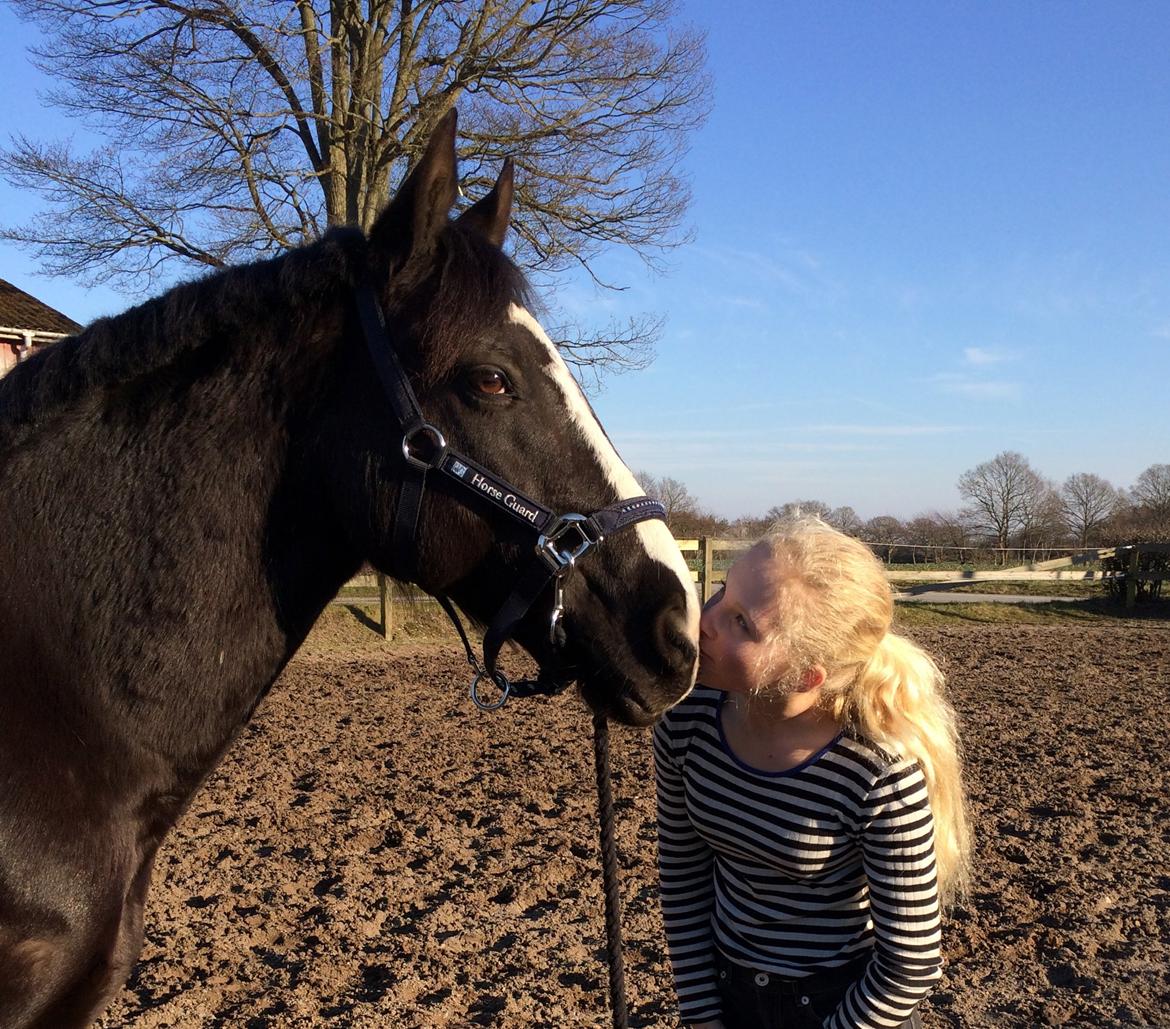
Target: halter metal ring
{"points": [[438, 445], [561, 560], [501, 682]]}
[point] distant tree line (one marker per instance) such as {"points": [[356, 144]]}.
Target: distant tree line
{"points": [[1008, 506]]}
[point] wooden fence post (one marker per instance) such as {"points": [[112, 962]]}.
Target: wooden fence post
{"points": [[1131, 580], [386, 607], [705, 566]]}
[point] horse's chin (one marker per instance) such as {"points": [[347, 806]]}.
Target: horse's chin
{"points": [[612, 681], [631, 710], [626, 706]]}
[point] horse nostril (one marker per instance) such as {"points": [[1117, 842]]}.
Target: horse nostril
{"points": [[673, 640]]}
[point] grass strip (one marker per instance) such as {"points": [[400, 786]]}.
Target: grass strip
{"points": [[1056, 612]]}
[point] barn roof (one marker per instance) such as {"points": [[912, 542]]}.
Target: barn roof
{"points": [[21, 310]]}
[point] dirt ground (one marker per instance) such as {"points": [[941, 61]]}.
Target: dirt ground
{"points": [[375, 852]]}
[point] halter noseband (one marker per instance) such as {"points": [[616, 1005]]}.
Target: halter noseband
{"points": [[561, 540]]}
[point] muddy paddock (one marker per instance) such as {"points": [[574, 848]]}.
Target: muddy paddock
{"points": [[375, 852]]}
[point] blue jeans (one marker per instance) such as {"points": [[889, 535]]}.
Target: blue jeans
{"points": [[752, 1000]]}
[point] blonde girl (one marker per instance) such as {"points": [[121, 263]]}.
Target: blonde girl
{"points": [[810, 802]]}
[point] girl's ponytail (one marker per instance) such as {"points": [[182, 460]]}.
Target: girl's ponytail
{"points": [[896, 700]]}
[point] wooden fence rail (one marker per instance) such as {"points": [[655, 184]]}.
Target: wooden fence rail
{"points": [[379, 589], [700, 554], [707, 574]]}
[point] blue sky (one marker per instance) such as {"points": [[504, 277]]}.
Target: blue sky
{"points": [[925, 232]]}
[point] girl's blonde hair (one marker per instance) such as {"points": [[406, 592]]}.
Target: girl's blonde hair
{"points": [[835, 609]]}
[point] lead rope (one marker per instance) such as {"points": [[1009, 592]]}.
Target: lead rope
{"points": [[611, 876]]}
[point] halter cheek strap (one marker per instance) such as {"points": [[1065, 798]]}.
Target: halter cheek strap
{"points": [[560, 541]]}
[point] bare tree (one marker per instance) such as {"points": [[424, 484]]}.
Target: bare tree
{"points": [[953, 529], [238, 128], [845, 519], [885, 534], [617, 347], [685, 518], [1042, 523], [797, 508], [697, 522], [924, 536], [648, 482], [675, 497], [1152, 491], [1087, 502], [749, 527], [1001, 493]]}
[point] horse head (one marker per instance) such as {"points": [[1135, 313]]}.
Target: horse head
{"points": [[487, 375]]}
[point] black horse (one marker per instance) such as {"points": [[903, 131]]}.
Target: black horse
{"points": [[185, 486]]}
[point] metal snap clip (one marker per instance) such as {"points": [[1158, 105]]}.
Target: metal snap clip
{"points": [[556, 634], [804, 1001], [762, 979]]}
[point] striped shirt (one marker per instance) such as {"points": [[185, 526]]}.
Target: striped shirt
{"points": [[794, 872]]}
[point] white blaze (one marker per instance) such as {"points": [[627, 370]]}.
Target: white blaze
{"points": [[653, 533]]}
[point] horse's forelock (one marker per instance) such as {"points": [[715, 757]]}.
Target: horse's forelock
{"points": [[472, 286]]}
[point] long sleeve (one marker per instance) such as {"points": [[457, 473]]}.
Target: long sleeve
{"points": [[686, 888], [897, 847]]}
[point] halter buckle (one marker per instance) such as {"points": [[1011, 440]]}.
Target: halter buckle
{"points": [[560, 559], [438, 446]]}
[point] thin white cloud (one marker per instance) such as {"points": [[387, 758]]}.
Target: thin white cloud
{"points": [[687, 455], [981, 357], [722, 441], [977, 389], [793, 269], [884, 430], [752, 303]]}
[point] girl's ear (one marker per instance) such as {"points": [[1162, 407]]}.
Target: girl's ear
{"points": [[811, 679], [489, 215], [407, 230]]}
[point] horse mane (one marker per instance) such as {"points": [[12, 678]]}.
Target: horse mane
{"points": [[205, 318], [265, 304]]}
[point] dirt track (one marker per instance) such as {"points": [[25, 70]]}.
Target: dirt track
{"points": [[375, 852]]}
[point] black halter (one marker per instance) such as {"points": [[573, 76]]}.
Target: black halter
{"points": [[561, 540]]}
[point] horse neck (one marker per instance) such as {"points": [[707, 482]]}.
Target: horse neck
{"points": [[174, 552], [281, 557]]}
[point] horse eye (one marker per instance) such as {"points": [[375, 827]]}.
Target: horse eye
{"points": [[489, 381]]}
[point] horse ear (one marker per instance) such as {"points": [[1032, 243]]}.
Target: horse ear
{"points": [[412, 221], [489, 215]]}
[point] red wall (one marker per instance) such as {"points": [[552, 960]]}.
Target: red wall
{"points": [[7, 356]]}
